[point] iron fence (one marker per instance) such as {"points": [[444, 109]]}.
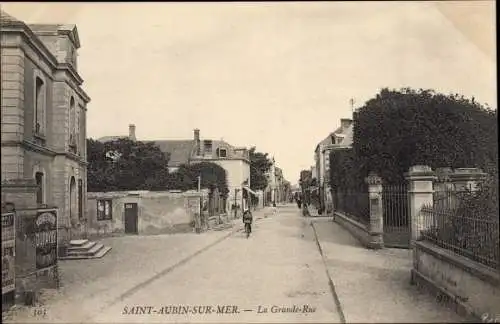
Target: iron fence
{"points": [[453, 223], [353, 203], [396, 215], [447, 198]]}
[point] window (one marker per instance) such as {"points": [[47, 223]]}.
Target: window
{"points": [[72, 125], [104, 209], [39, 183], [222, 153], [208, 146], [81, 131], [39, 106]]}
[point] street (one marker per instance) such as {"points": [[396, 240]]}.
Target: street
{"points": [[263, 277], [276, 275]]}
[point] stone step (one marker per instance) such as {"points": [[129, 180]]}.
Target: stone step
{"points": [[78, 242], [90, 251], [98, 255], [86, 246]]}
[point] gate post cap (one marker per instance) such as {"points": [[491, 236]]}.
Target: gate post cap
{"points": [[373, 179], [443, 174], [468, 174], [420, 172]]}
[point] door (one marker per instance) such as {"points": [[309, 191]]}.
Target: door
{"points": [[131, 218]]}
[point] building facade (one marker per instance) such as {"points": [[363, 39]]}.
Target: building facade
{"points": [[44, 118], [340, 138]]}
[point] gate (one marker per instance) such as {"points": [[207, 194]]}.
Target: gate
{"points": [[131, 218], [395, 203]]}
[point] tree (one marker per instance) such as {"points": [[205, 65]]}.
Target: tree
{"points": [[126, 165], [401, 128], [260, 164], [212, 176]]}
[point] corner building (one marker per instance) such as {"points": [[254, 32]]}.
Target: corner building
{"points": [[44, 121]]}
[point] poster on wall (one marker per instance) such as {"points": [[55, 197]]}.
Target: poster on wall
{"points": [[194, 205], [8, 252], [46, 238]]}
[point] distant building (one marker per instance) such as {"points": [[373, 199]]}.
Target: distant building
{"points": [[342, 137], [44, 119], [235, 160]]}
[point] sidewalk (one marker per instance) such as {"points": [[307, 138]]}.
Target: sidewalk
{"points": [[374, 285]]}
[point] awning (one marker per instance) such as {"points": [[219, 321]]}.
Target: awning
{"points": [[250, 190]]}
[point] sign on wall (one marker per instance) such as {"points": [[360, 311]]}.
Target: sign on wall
{"points": [[8, 252], [46, 238]]}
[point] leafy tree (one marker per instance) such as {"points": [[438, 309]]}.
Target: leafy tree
{"points": [[398, 129], [401, 128], [126, 165], [260, 164], [212, 176]]}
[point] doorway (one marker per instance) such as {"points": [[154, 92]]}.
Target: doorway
{"points": [[72, 200], [131, 218]]}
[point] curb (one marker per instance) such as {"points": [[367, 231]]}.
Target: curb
{"points": [[330, 281]]}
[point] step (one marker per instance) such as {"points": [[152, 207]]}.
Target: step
{"points": [[98, 255], [78, 242], [91, 251], [86, 246]]}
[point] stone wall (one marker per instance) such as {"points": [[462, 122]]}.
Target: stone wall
{"points": [[158, 212], [21, 194], [360, 231], [472, 288]]}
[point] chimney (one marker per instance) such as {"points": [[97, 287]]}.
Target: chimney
{"points": [[131, 132], [197, 141], [345, 123]]}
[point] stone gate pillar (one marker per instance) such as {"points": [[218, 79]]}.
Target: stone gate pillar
{"points": [[420, 193], [443, 187], [467, 179], [376, 211]]}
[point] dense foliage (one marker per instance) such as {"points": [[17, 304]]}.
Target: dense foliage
{"points": [[305, 181], [125, 165], [260, 164], [134, 165], [211, 176], [398, 129]]}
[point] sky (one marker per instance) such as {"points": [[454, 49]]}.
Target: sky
{"points": [[278, 76]]}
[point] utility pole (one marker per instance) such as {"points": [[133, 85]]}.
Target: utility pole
{"points": [[351, 102], [202, 223], [235, 201]]}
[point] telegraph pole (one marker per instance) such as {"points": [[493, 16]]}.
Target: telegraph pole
{"points": [[351, 102], [235, 201]]}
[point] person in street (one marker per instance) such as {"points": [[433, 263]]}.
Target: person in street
{"points": [[274, 208], [247, 219]]}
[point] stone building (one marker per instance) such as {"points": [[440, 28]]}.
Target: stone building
{"points": [[339, 139], [44, 120]]}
